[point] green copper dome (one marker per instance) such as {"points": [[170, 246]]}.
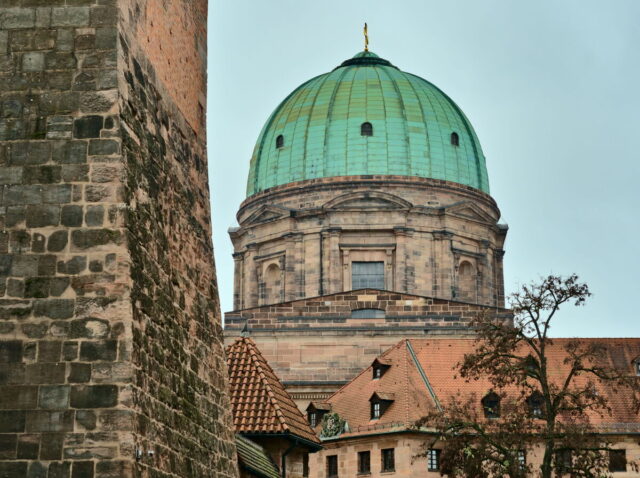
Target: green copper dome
{"points": [[317, 131]]}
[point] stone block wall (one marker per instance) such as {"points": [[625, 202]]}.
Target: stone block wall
{"points": [[318, 344], [110, 345], [434, 238]]}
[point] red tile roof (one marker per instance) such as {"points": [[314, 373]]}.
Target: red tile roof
{"points": [[260, 402], [423, 383]]}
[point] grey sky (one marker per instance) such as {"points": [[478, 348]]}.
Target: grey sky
{"points": [[551, 87]]}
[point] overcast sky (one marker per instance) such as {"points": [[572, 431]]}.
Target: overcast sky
{"points": [[551, 87]]}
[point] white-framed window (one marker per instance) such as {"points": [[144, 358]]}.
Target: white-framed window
{"points": [[313, 420], [375, 410], [433, 459], [522, 459]]}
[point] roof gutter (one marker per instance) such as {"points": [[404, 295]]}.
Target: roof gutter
{"points": [[381, 433], [425, 379], [313, 447]]}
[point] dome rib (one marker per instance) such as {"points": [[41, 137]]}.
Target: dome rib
{"points": [[305, 157], [291, 172], [404, 117], [424, 121], [325, 150], [386, 126], [412, 119], [255, 166], [470, 132], [346, 120]]}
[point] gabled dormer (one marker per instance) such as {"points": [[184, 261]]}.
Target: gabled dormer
{"points": [[315, 412], [379, 403], [379, 367]]}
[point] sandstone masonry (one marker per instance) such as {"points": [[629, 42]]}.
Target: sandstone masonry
{"points": [[434, 238], [318, 344], [111, 360]]}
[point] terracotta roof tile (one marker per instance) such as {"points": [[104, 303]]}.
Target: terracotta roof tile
{"points": [[416, 394], [259, 400]]}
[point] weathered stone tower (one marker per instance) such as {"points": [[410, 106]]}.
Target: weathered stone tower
{"points": [[368, 219], [111, 360]]}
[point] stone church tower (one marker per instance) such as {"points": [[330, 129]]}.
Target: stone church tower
{"points": [[111, 356], [368, 219]]}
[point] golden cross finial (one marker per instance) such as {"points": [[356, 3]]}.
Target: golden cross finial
{"points": [[366, 38]]}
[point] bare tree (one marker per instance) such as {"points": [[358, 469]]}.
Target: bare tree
{"points": [[536, 406]]}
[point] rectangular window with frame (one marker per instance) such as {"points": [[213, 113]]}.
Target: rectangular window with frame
{"points": [[388, 459], [522, 459], [433, 459], [617, 460], [564, 461], [375, 410], [305, 465], [332, 466], [367, 275], [364, 462]]}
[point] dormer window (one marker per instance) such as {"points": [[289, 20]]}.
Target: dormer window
{"points": [[379, 404], [315, 412], [455, 139], [491, 405], [535, 402], [366, 129], [279, 141], [379, 367], [636, 366]]}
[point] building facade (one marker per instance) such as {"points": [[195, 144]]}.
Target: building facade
{"points": [[368, 219], [379, 409]]}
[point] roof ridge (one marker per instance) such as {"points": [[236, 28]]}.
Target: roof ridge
{"points": [[255, 356], [406, 381], [424, 376]]}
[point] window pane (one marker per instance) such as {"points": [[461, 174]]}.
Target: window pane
{"points": [[434, 459], [617, 460], [367, 314], [364, 462], [375, 410], [332, 466], [367, 275], [388, 460]]}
